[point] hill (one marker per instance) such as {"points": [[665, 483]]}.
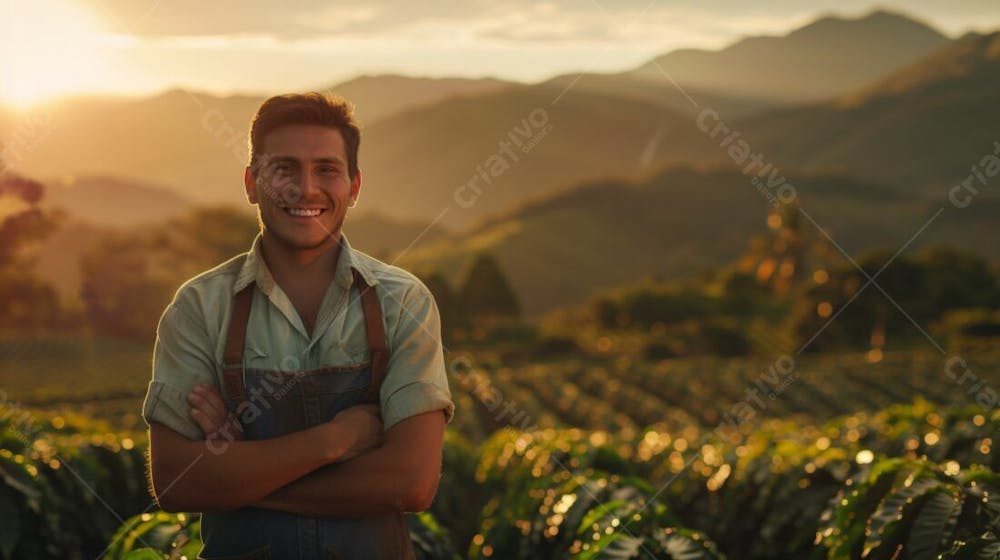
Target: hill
{"points": [[564, 248], [86, 224], [381, 95], [114, 202], [464, 150], [921, 128], [479, 156], [629, 86], [192, 142], [829, 57]]}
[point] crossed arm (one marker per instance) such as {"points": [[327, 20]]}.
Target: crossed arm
{"points": [[328, 470], [400, 475]]}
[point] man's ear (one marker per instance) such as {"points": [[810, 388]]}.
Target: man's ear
{"points": [[250, 184], [355, 189]]}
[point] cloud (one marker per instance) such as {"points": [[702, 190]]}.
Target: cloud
{"points": [[550, 21], [290, 20], [296, 20]]}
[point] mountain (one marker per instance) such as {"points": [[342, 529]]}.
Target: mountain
{"points": [[824, 59], [473, 157], [466, 150], [385, 238], [630, 86], [113, 202], [923, 127], [84, 227], [970, 63], [192, 142], [381, 95], [562, 249]]}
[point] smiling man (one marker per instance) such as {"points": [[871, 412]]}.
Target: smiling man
{"points": [[299, 394]]}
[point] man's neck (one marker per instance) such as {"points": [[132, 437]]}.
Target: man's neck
{"points": [[295, 267]]}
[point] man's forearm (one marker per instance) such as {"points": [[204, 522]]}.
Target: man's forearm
{"points": [[401, 475], [374, 483], [193, 476]]}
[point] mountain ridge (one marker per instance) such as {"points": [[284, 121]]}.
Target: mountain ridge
{"points": [[810, 63]]}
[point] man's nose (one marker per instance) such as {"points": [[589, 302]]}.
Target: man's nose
{"points": [[308, 186]]}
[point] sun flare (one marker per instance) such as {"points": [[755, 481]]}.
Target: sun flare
{"points": [[48, 48]]}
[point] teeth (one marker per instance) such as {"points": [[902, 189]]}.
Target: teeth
{"points": [[305, 212]]}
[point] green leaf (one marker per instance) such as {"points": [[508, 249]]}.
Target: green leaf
{"points": [[684, 544], [930, 531], [890, 512], [10, 529]]}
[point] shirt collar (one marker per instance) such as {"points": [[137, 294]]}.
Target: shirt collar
{"points": [[254, 268]]}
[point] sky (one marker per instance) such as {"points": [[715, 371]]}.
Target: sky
{"points": [[54, 48]]}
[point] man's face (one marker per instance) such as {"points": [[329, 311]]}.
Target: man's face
{"points": [[302, 188]]}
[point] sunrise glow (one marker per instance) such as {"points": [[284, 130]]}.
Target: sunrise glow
{"points": [[49, 48]]}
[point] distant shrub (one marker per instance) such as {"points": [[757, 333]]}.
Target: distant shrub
{"points": [[555, 345], [656, 350]]}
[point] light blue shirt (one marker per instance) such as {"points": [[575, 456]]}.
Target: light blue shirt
{"points": [[191, 336]]}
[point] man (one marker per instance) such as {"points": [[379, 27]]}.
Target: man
{"points": [[299, 394]]}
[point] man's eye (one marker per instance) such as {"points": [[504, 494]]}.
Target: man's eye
{"points": [[328, 169]]}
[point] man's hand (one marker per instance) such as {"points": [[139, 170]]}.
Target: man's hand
{"points": [[400, 475], [361, 425], [208, 409], [230, 475]]}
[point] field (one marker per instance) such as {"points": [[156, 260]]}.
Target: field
{"points": [[724, 290], [816, 457], [99, 376]]}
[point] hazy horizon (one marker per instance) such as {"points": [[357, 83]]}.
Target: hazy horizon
{"points": [[119, 48]]}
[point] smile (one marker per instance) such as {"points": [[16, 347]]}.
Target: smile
{"points": [[304, 212]]}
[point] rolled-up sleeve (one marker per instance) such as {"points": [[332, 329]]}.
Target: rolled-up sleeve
{"points": [[416, 380], [182, 358]]}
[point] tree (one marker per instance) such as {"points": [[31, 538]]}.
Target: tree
{"points": [[787, 254], [447, 302], [120, 295], [25, 301], [199, 240], [926, 286], [127, 281], [27, 223], [486, 294]]}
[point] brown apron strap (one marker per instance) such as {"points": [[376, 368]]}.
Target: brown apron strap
{"points": [[375, 335], [232, 366]]}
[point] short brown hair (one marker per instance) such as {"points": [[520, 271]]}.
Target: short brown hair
{"points": [[306, 108]]}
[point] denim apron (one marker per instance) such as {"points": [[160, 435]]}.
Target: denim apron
{"points": [[290, 401]]}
